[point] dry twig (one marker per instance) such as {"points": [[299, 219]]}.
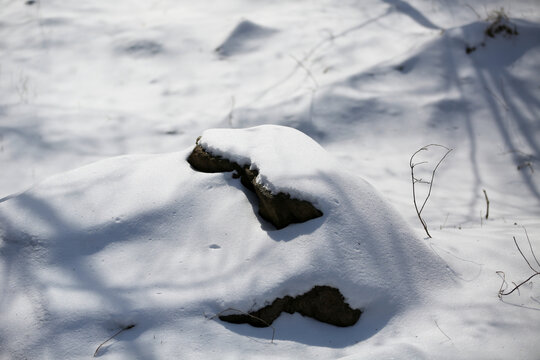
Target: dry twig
{"points": [[487, 203], [118, 332], [231, 113], [430, 182], [308, 72], [504, 284], [438, 327]]}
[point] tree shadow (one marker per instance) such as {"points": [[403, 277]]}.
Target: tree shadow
{"points": [[515, 101], [65, 248], [408, 10]]}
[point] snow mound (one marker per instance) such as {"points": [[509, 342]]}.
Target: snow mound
{"points": [[245, 37], [147, 240], [287, 160]]}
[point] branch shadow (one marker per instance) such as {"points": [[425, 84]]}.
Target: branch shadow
{"points": [[67, 248], [408, 10], [491, 65]]}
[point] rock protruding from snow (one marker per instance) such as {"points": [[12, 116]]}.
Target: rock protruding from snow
{"points": [[323, 303], [172, 233], [279, 209], [287, 160], [501, 25]]}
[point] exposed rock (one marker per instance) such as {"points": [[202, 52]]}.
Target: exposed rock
{"points": [[322, 303], [501, 25], [203, 161], [279, 209]]}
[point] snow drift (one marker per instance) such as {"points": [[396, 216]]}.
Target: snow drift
{"points": [[136, 238]]}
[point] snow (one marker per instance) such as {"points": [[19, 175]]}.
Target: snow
{"points": [[130, 228], [103, 223], [288, 161]]}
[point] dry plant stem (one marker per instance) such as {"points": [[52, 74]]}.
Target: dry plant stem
{"points": [[415, 180], [524, 165], [308, 72], [536, 272], [118, 332], [247, 314], [231, 113], [530, 247], [503, 287], [448, 337], [487, 203], [477, 15], [516, 287]]}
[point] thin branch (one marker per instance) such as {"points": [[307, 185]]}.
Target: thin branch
{"points": [[231, 113], [536, 272], [308, 72], [420, 163], [523, 256], [504, 284], [487, 202], [421, 181], [477, 15], [438, 327], [445, 220], [118, 332], [517, 286], [433, 176], [530, 246], [430, 182]]}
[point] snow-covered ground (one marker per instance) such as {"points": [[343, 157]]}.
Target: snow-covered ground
{"points": [[143, 239]]}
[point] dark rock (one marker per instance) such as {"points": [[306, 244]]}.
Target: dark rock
{"points": [[470, 49], [501, 25], [503, 29], [322, 303], [280, 209], [203, 161]]}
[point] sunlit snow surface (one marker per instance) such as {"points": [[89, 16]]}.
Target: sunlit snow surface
{"points": [[108, 238], [287, 160], [90, 251]]}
